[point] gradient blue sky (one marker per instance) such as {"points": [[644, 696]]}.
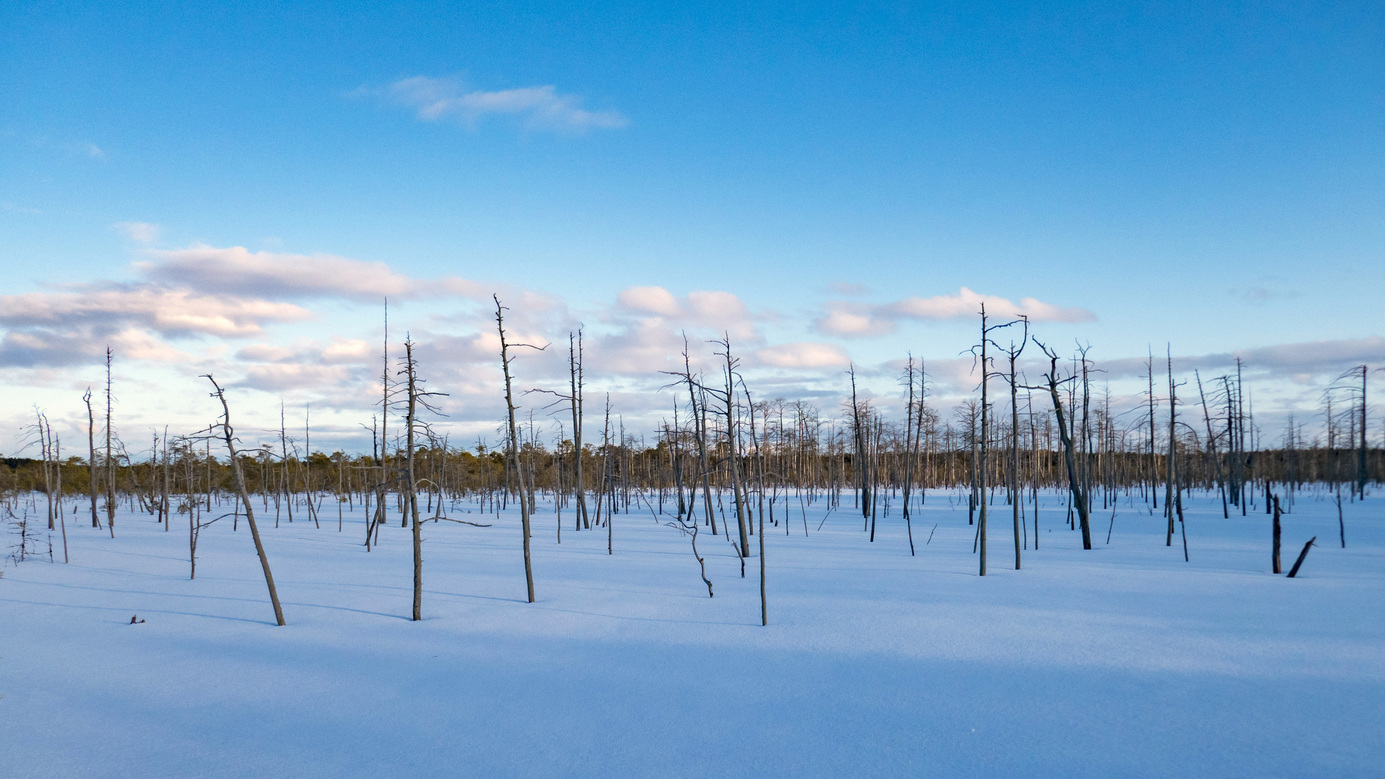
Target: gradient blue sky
{"points": [[1212, 176]]}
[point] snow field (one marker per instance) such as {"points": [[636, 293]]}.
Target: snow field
{"points": [[1122, 660]]}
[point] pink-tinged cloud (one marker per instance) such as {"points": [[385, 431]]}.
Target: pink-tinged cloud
{"points": [[805, 354], [967, 303], [855, 320], [164, 310], [239, 271], [707, 313]]}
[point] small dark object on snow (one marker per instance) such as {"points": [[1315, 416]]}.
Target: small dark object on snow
{"points": [[134, 620], [1294, 571]]}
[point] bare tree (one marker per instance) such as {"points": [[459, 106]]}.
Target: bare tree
{"points": [[417, 399], [698, 409], [986, 341], [1013, 353], [732, 437], [229, 435], [574, 344], [110, 461], [91, 458], [385, 395], [913, 433], [1077, 498], [750, 404], [505, 359]]}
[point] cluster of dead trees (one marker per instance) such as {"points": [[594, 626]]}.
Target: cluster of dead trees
{"points": [[728, 465]]}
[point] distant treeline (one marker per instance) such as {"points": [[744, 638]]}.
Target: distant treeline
{"points": [[613, 468]]}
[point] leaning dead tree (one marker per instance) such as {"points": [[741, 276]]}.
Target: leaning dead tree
{"points": [[229, 435], [1077, 497], [524, 507]]}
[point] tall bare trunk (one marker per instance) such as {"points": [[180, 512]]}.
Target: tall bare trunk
{"points": [[514, 445], [411, 486], [110, 461]]}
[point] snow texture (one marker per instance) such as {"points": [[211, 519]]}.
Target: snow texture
{"points": [[1120, 661]]}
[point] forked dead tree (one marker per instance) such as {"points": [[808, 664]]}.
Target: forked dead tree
{"points": [[1076, 496], [986, 341], [732, 438]]}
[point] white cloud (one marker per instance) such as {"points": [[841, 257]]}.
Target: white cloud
{"points": [[649, 300], [852, 322], [538, 107]]}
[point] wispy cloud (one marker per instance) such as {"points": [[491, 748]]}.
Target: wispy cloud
{"points": [[860, 319], [139, 232], [1306, 361], [537, 107]]}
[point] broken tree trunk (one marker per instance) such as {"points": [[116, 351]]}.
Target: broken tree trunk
{"points": [[1301, 556]]}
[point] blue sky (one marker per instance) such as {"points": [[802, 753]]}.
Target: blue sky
{"points": [[1208, 177]]}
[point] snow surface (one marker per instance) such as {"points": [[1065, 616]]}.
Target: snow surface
{"points": [[1123, 660]]}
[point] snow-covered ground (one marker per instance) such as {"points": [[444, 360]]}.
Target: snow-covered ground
{"points": [[1120, 661]]}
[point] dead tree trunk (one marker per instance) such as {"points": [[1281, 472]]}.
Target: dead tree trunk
{"points": [[1014, 355], [384, 427], [415, 399], [1077, 499], [575, 377], [91, 459], [514, 443], [1173, 452], [737, 489], [229, 435], [1301, 557], [110, 462], [1274, 543], [699, 416]]}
